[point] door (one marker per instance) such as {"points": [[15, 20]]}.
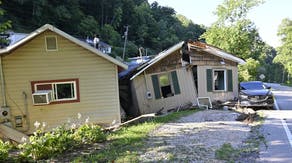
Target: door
{"points": [[195, 76]]}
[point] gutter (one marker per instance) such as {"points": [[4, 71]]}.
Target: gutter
{"points": [[3, 91]]}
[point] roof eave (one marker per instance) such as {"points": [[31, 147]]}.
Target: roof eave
{"points": [[88, 47], [158, 58], [54, 29], [8, 49], [224, 55]]}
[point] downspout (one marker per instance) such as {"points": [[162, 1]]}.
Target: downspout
{"points": [[4, 102], [3, 92], [26, 116]]}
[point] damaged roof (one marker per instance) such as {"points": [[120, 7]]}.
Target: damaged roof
{"points": [[156, 59], [215, 51], [197, 45]]}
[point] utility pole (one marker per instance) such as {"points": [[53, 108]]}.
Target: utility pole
{"points": [[125, 43]]}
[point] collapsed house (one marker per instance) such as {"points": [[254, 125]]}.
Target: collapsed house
{"points": [[178, 76]]}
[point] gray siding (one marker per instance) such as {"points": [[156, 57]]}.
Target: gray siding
{"points": [[187, 95], [217, 95]]}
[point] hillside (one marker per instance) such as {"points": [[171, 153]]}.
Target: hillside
{"points": [[151, 26]]}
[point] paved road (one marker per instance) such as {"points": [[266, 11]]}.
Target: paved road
{"points": [[278, 127]]}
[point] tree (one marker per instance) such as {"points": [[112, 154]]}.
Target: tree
{"points": [[232, 11], [248, 71], [108, 34], [88, 26], [236, 34], [151, 26], [187, 29], [232, 31], [285, 50], [3, 27]]}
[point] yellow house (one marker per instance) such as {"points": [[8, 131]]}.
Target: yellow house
{"points": [[53, 78], [180, 75]]}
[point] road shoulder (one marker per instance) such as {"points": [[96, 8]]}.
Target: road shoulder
{"points": [[277, 147]]}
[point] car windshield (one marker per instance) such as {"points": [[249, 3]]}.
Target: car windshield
{"points": [[253, 86]]}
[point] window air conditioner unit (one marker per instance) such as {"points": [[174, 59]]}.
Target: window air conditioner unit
{"points": [[4, 113], [42, 97]]}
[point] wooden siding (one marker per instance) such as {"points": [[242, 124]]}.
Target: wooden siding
{"points": [[187, 95], [206, 61], [98, 83], [143, 83], [171, 62], [217, 95], [202, 58]]}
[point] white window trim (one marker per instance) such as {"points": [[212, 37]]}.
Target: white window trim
{"points": [[170, 82], [46, 45], [53, 89], [225, 80]]}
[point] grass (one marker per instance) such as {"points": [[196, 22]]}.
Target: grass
{"points": [[227, 152], [127, 143]]}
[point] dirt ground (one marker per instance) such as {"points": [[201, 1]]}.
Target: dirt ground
{"points": [[193, 138], [196, 137]]}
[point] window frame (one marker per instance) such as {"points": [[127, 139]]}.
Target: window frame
{"points": [[225, 80], [174, 83], [46, 43], [170, 80], [54, 84]]}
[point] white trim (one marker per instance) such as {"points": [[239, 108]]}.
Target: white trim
{"points": [[67, 36], [225, 80], [222, 54], [46, 43], [54, 90], [64, 99]]}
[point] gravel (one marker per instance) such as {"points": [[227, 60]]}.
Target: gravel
{"points": [[195, 138]]}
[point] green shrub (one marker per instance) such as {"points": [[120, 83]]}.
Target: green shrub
{"points": [[45, 145], [4, 149], [89, 134]]}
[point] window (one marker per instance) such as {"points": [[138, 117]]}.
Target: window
{"points": [[62, 90], [51, 43], [219, 80], [165, 85]]}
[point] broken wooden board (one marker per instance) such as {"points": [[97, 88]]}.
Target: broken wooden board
{"points": [[12, 134]]}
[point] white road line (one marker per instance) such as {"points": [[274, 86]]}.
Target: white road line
{"points": [[288, 133]]}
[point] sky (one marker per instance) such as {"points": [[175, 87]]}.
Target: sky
{"points": [[267, 17]]}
